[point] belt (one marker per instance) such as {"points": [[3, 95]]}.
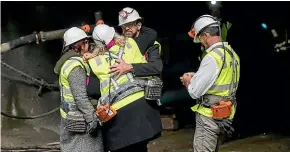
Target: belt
{"points": [[122, 92], [208, 100]]}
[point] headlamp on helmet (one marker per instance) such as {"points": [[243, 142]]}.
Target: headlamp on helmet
{"points": [[124, 14]]}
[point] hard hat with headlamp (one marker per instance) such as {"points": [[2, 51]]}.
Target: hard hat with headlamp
{"points": [[73, 35], [103, 33], [201, 24], [128, 15]]}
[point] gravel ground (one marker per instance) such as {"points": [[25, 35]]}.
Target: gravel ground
{"points": [[171, 141]]}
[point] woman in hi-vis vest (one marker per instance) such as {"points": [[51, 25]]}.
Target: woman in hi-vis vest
{"points": [[132, 120], [79, 130]]}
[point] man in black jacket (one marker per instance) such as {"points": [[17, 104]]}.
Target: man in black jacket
{"points": [[131, 25]]}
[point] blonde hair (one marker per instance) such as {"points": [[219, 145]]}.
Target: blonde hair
{"points": [[116, 35], [99, 44]]}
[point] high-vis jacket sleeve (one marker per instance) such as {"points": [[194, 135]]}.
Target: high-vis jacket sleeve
{"points": [[77, 82], [204, 78]]}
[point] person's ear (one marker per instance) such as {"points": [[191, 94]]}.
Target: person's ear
{"points": [[139, 25], [206, 35]]}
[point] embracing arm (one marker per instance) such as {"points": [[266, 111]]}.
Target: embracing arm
{"points": [[77, 82], [153, 67], [146, 41]]}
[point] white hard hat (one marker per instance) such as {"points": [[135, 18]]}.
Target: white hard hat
{"points": [[73, 35], [128, 15], [103, 33], [203, 22]]}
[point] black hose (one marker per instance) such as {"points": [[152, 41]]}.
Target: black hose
{"points": [[38, 82], [36, 37], [30, 117]]}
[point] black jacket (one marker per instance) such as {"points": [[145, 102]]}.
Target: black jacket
{"points": [[144, 41]]}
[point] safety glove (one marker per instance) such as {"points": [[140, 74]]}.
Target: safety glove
{"points": [[92, 127]]}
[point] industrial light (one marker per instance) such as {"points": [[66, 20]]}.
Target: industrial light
{"points": [[264, 26], [214, 4]]}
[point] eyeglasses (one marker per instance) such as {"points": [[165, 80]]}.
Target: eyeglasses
{"points": [[129, 25], [78, 45], [201, 35]]}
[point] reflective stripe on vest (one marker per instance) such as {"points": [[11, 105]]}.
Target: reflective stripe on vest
{"points": [[160, 52], [65, 90], [100, 66], [227, 80]]}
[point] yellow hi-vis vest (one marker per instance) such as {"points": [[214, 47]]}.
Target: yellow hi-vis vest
{"points": [[160, 51], [100, 67], [227, 81], [66, 94]]}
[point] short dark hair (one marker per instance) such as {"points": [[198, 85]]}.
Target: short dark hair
{"points": [[212, 31]]}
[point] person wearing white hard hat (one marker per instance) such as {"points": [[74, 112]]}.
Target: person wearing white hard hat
{"points": [[79, 125], [130, 21], [134, 120], [132, 26], [214, 85]]}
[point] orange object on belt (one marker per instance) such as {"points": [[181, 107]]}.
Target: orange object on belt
{"points": [[100, 22], [105, 113], [86, 28], [221, 110]]}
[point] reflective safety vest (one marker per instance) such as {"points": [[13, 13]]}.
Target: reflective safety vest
{"points": [[100, 67], [68, 102], [227, 82], [160, 51], [225, 29], [159, 48]]}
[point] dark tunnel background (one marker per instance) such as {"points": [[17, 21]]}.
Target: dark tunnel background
{"points": [[263, 100]]}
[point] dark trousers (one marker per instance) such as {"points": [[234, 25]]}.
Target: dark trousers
{"points": [[140, 147]]}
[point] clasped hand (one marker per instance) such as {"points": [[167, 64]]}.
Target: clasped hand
{"points": [[185, 79]]}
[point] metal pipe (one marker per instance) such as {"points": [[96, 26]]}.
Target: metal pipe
{"points": [[36, 37], [43, 36]]}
